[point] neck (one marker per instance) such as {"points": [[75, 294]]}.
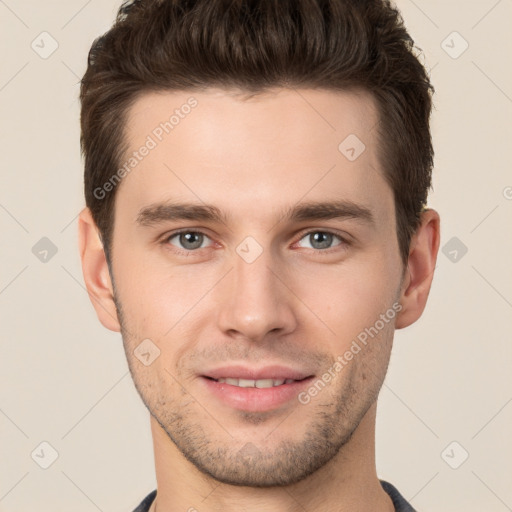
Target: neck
{"points": [[348, 482]]}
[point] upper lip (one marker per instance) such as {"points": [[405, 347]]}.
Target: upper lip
{"points": [[268, 372]]}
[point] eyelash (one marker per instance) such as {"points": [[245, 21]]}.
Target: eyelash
{"points": [[343, 245]]}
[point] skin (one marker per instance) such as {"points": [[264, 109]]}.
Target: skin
{"points": [[253, 157]]}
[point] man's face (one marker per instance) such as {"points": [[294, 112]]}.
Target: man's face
{"points": [[257, 295]]}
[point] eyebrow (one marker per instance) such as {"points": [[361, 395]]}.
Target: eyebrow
{"points": [[158, 213]]}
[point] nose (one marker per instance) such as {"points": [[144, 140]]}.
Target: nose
{"points": [[255, 300]]}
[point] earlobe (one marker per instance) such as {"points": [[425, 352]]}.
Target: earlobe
{"points": [[95, 271], [420, 270]]}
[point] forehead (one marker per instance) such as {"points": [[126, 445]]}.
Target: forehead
{"points": [[231, 148], [299, 111]]}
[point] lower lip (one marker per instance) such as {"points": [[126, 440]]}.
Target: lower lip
{"points": [[256, 399]]}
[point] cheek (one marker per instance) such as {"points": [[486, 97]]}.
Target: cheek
{"points": [[348, 298], [162, 302], [144, 305]]}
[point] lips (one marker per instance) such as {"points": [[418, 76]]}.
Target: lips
{"points": [[274, 372], [255, 389], [252, 383]]}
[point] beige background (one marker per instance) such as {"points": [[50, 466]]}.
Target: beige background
{"points": [[64, 378]]}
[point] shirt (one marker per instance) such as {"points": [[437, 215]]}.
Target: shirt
{"points": [[401, 505]]}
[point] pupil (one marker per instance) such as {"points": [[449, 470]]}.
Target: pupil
{"points": [[187, 238], [323, 243]]}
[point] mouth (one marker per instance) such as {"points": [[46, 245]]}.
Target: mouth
{"points": [[255, 390], [252, 383]]}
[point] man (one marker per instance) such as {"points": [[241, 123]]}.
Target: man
{"points": [[256, 174]]}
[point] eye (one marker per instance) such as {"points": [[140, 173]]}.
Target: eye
{"points": [[188, 240], [321, 240]]}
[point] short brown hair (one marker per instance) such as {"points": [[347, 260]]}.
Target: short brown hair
{"points": [[254, 45]]}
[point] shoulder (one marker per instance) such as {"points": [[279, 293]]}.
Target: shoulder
{"points": [[400, 503], [146, 502]]}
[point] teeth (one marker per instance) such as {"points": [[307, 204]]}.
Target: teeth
{"points": [[260, 383], [245, 383], [264, 383]]}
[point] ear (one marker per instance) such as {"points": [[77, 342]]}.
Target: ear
{"points": [[95, 271], [420, 269]]}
